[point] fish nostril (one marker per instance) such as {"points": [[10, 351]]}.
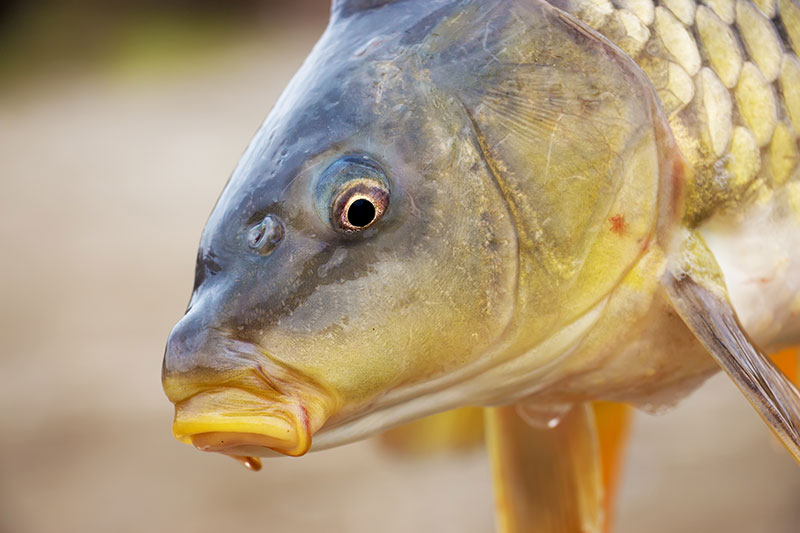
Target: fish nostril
{"points": [[264, 236]]}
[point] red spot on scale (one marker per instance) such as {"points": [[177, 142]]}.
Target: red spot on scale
{"points": [[618, 224]]}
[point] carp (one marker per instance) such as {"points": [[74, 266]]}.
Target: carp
{"points": [[515, 204]]}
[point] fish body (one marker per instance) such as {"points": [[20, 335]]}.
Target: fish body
{"points": [[728, 79], [725, 75], [495, 202]]}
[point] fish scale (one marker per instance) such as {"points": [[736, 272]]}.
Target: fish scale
{"points": [[728, 77]]}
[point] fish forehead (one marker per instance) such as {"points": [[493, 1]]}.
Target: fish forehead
{"points": [[365, 63], [361, 67], [365, 89]]}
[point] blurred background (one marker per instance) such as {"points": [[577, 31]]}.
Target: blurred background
{"points": [[119, 125]]}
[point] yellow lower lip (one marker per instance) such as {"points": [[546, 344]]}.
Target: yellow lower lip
{"points": [[237, 422]]}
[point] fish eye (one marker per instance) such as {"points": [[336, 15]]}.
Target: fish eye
{"points": [[352, 194], [358, 205]]}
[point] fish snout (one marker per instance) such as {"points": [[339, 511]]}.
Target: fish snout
{"points": [[231, 397], [186, 346], [197, 356]]}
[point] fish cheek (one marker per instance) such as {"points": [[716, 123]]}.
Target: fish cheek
{"points": [[424, 295]]}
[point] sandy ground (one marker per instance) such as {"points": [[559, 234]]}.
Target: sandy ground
{"points": [[105, 184]]}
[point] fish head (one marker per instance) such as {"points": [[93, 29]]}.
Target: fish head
{"points": [[366, 249], [340, 262]]}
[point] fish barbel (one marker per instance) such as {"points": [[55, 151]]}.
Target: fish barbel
{"points": [[503, 202]]}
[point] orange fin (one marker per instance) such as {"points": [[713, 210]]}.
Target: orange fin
{"points": [[546, 480], [613, 421], [452, 430], [787, 361]]}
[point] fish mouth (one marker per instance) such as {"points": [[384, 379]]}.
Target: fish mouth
{"points": [[233, 397], [238, 422], [255, 411]]}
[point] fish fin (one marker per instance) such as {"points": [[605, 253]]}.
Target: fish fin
{"points": [[547, 479], [613, 421], [695, 287], [456, 429], [787, 361]]}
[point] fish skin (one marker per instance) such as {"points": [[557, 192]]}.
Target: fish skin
{"points": [[538, 174], [739, 136], [734, 45]]}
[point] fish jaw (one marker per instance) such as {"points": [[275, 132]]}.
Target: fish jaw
{"points": [[233, 421]]}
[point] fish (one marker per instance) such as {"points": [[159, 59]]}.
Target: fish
{"points": [[520, 205]]}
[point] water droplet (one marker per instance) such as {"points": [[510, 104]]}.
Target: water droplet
{"points": [[250, 463], [543, 416]]}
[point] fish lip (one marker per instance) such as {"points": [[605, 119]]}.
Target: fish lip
{"points": [[235, 421], [243, 445], [258, 403]]}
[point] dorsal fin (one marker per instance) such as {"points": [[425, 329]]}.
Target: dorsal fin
{"points": [[348, 7]]}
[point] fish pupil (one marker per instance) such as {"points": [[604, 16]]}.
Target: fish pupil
{"points": [[361, 213]]}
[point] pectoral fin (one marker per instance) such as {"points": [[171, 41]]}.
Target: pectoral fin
{"points": [[546, 480], [698, 294]]}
